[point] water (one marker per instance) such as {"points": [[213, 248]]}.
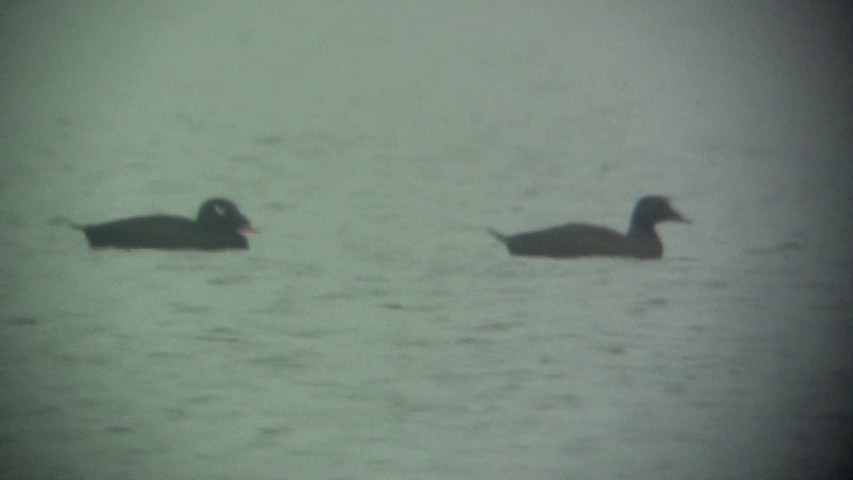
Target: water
{"points": [[375, 329]]}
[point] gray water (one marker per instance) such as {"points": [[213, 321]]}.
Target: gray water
{"points": [[374, 329]]}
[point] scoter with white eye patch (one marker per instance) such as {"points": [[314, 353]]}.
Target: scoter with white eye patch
{"points": [[219, 225]]}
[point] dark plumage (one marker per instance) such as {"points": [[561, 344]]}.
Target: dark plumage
{"points": [[580, 240], [218, 226]]}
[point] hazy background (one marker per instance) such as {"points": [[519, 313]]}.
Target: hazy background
{"points": [[374, 329]]}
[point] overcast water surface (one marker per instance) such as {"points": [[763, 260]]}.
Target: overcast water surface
{"points": [[375, 329]]}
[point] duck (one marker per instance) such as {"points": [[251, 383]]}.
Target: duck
{"points": [[575, 240], [219, 225]]}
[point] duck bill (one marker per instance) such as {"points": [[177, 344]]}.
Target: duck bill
{"points": [[678, 217], [248, 229]]}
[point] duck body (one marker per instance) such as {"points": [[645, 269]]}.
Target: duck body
{"points": [[584, 240], [578, 240], [219, 226]]}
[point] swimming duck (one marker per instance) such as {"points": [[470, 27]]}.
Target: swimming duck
{"points": [[219, 225], [581, 239]]}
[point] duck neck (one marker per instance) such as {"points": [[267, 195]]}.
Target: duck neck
{"points": [[642, 229], [643, 241]]}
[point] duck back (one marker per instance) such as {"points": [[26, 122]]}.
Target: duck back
{"points": [[566, 241], [164, 232]]}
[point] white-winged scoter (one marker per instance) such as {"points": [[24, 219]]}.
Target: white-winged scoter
{"points": [[582, 240], [218, 226]]}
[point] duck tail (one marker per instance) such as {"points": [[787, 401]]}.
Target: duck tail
{"points": [[65, 222], [500, 236]]}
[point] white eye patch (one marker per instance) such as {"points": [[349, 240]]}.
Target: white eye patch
{"points": [[219, 210]]}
